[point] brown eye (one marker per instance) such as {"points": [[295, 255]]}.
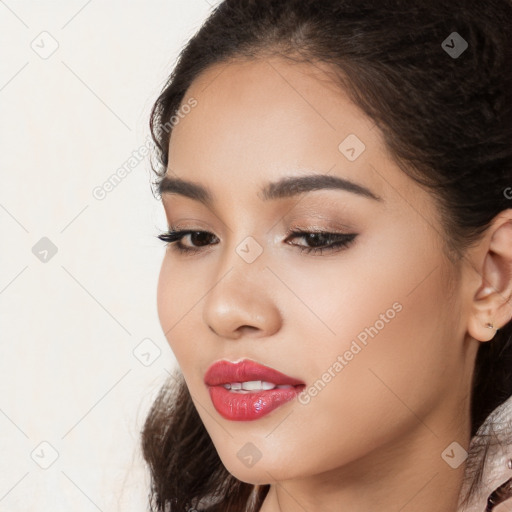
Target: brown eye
{"points": [[320, 241], [199, 237], [173, 238]]}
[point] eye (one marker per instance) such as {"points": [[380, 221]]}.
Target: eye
{"points": [[319, 241], [322, 241], [198, 238]]}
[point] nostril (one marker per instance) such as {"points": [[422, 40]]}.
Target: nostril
{"points": [[247, 329]]}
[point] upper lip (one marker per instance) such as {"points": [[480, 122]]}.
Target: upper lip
{"points": [[225, 372]]}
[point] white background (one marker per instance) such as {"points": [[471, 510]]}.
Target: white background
{"points": [[68, 374]]}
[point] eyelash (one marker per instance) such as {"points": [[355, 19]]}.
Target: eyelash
{"points": [[172, 238]]}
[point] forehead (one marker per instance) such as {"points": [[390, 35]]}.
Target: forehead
{"points": [[252, 109], [259, 120], [268, 103]]}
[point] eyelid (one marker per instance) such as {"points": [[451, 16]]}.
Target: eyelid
{"points": [[190, 224], [311, 215], [329, 226], [335, 227]]}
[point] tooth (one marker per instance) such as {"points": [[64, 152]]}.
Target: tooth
{"points": [[251, 385], [257, 385]]}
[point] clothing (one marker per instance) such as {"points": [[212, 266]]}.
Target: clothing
{"points": [[490, 455]]}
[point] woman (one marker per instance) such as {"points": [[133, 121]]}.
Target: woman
{"points": [[336, 286]]}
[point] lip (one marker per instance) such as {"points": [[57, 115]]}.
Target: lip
{"points": [[251, 405]]}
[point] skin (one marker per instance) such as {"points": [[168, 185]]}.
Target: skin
{"points": [[373, 437]]}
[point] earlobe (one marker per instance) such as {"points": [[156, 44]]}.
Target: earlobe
{"points": [[492, 305]]}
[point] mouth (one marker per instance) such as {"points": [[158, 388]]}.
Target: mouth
{"points": [[247, 390]]}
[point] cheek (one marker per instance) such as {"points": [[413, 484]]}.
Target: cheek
{"points": [[372, 339], [382, 328], [178, 296], [390, 317], [166, 296], [389, 298]]}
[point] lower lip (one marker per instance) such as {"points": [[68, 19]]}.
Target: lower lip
{"points": [[250, 406]]}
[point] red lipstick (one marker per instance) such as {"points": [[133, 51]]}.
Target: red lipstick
{"points": [[246, 390]]}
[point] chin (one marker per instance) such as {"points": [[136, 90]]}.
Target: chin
{"points": [[258, 471]]}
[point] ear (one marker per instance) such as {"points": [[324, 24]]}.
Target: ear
{"points": [[492, 303]]}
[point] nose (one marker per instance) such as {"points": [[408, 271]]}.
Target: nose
{"points": [[240, 302]]}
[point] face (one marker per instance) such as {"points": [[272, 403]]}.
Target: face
{"points": [[372, 327]]}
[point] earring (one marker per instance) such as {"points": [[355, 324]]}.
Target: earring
{"points": [[490, 326]]}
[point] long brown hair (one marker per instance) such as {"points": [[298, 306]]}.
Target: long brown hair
{"points": [[446, 119]]}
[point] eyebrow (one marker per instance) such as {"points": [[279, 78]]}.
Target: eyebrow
{"points": [[285, 187]]}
